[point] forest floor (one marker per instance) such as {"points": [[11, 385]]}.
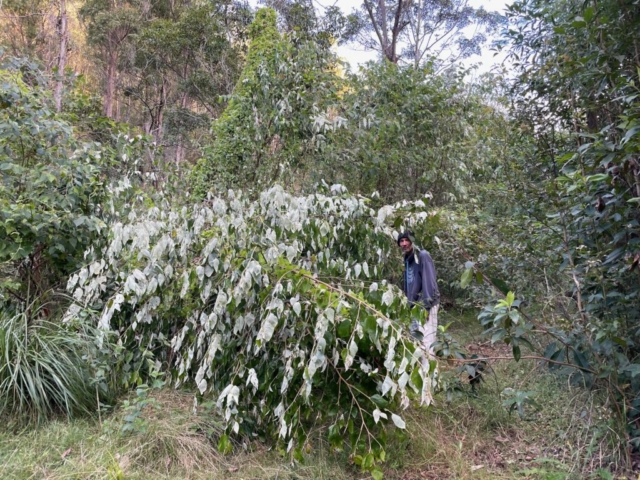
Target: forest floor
{"points": [[568, 434]]}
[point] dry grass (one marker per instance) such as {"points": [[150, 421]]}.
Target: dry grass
{"points": [[176, 444]]}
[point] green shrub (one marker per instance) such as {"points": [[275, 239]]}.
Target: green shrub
{"points": [[50, 189]]}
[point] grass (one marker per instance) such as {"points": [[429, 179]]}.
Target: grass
{"points": [[41, 367], [569, 436]]}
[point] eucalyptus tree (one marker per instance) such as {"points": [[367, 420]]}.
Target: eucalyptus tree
{"points": [[325, 25], [413, 30], [110, 27], [23, 26]]}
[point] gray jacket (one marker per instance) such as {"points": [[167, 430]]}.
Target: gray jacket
{"points": [[420, 283]]}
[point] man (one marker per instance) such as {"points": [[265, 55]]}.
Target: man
{"points": [[420, 285]]}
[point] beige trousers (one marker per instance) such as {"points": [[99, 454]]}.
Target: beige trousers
{"points": [[429, 330]]}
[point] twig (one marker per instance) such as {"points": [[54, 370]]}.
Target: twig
{"points": [[524, 357]]}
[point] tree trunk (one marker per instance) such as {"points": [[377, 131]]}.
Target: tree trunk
{"points": [[179, 147], [110, 90], [63, 32], [156, 127], [183, 104]]}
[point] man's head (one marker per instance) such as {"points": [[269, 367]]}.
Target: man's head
{"points": [[405, 241]]}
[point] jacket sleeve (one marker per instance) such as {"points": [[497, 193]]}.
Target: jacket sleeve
{"points": [[428, 274]]}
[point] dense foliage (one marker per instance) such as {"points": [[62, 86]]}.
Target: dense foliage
{"points": [[51, 189], [578, 93], [280, 306], [272, 126], [273, 306]]}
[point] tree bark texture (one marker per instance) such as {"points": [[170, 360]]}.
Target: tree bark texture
{"points": [[63, 33]]}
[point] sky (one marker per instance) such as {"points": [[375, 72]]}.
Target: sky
{"points": [[356, 55]]}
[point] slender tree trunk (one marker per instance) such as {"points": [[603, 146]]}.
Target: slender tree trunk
{"points": [[382, 8], [157, 128], [183, 104], [63, 32], [179, 147], [110, 90]]}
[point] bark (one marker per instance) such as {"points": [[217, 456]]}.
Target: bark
{"points": [[179, 147], [63, 32], [382, 29], [184, 101], [110, 87]]}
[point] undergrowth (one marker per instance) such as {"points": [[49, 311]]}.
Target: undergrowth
{"points": [[564, 434]]}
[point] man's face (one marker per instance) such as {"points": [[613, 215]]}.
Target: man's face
{"points": [[405, 245]]}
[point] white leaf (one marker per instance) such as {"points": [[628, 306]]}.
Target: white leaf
{"points": [[331, 314], [398, 421], [202, 385], [377, 415], [252, 378], [321, 327], [233, 396], [353, 348], [185, 284], [268, 327], [402, 382], [388, 386], [297, 308], [387, 297], [200, 272]]}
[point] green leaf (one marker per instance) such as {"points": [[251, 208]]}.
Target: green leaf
{"points": [[367, 462], [633, 369], [370, 325], [224, 444], [416, 378], [510, 298], [628, 135], [379, 400], [498, 335], [580, 360], [599, 177], [500, 285], [467, 276], [377, 473], [344, 329], [516, 353], [298, 456], [588, 14]]}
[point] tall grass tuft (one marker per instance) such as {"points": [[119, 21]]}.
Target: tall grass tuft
{"points": [[43, 370]]}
